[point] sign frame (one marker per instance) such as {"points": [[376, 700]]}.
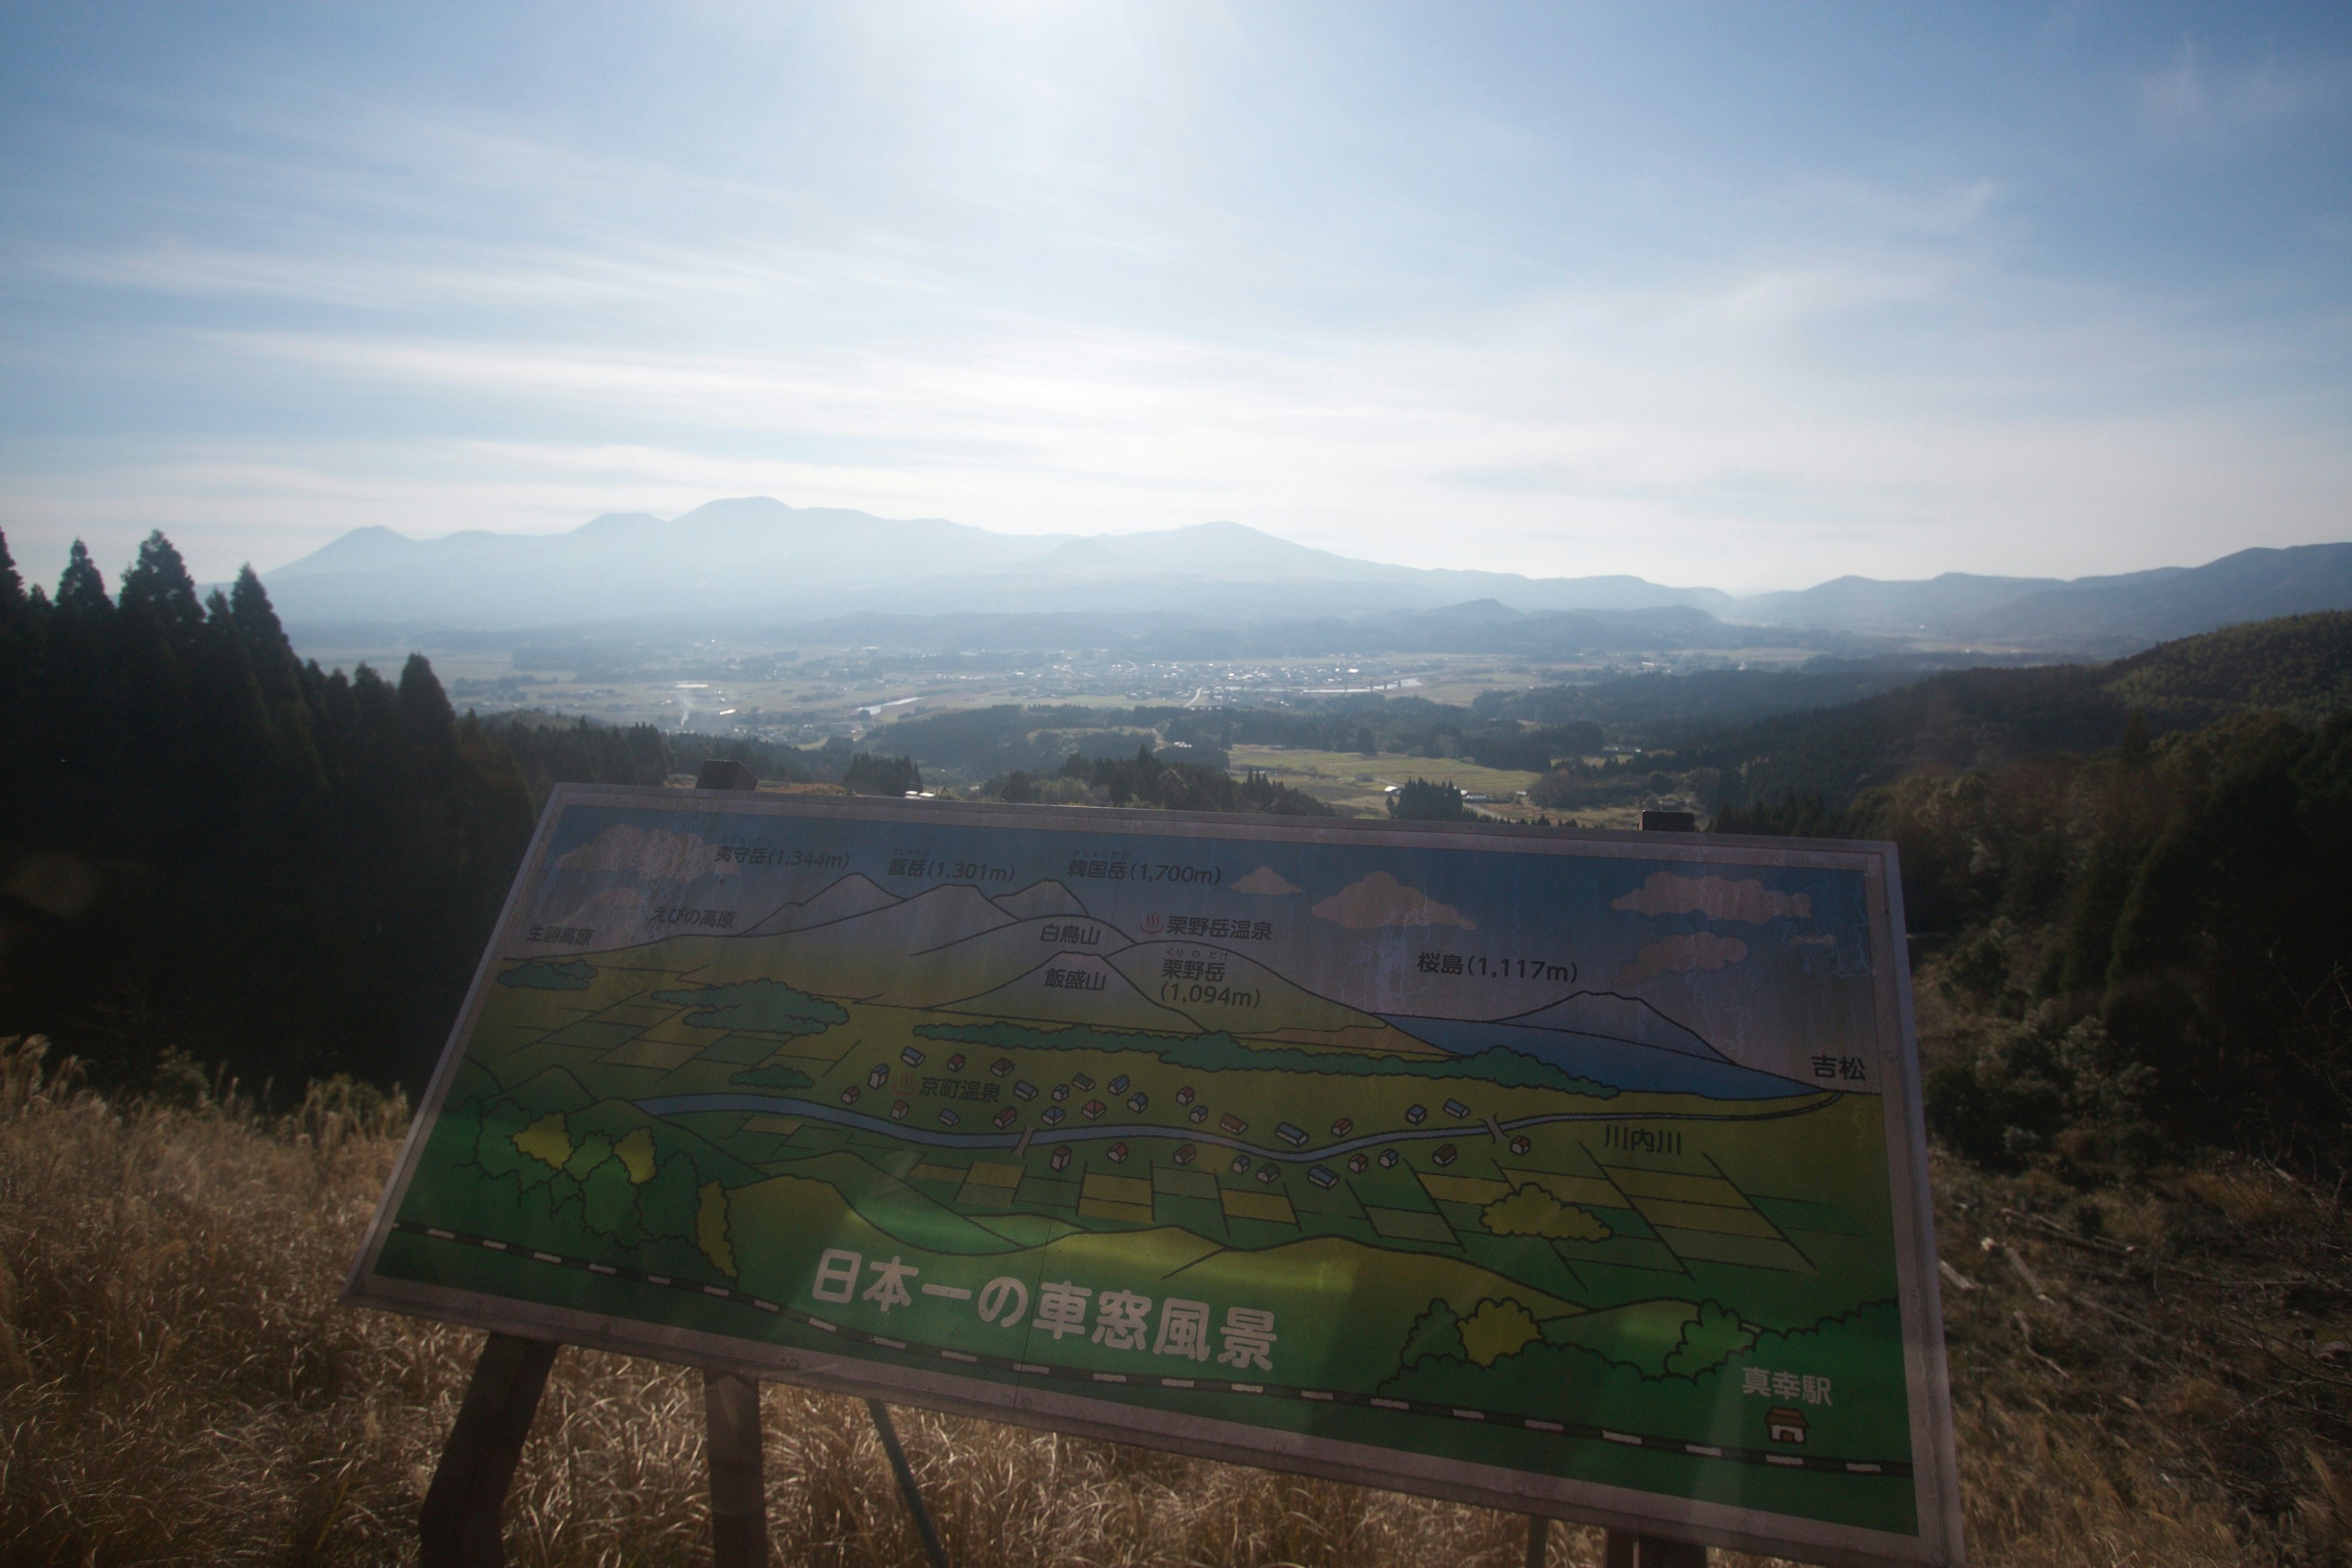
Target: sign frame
{"points": [[1935, 1473]]}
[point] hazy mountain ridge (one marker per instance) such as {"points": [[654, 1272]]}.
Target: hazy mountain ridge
{"points": [[1867, 603], [785, 565], [1231, 590], [2144, 607]]}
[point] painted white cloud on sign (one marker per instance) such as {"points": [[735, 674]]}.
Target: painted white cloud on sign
{"points": [[1265, 881], [1717, 897], [1380, 900], [657, 854], [1680, 956]]}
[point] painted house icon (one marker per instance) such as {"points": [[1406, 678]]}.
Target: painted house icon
{"points": [[1785, 1425]]}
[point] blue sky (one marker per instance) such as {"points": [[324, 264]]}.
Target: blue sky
{"points": [[1739, 295]]}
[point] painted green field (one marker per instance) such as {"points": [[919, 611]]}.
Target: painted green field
{"points": [[1390, 1226]]}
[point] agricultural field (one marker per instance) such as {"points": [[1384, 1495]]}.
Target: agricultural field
{"points": [[1356, 783]]}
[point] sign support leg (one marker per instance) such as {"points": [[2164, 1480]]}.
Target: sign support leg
{"points": [[914, 1496], [738, 1491], [1538, 1539], [458, 1525], [1623, 1549]]}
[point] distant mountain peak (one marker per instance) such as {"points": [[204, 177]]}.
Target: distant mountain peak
{"points": [[1079, 552], [753, 561], [618, 522], [1477, 611], [1224, 528], [371, 545]]}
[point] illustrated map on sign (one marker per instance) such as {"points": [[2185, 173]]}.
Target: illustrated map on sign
{"points": [[1503, 1153]]}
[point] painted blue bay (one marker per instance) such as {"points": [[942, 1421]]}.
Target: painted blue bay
{"points": [[1664, 1068]]}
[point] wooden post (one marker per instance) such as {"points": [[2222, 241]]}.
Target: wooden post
{"points": [[738, 1489], [1538, 1539], [458, 1525], [1626, 1550]]}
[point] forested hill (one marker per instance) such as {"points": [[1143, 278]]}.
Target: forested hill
{"points": [[211, 842], [2125, 884], [1982, 719]]}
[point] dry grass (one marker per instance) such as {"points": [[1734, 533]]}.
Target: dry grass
{"points": [[2159, 1376], [177, 1385]]}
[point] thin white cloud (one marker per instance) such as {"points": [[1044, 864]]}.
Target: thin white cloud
{"points": [[2198, 97], [1071, 431], [2177, 96]]}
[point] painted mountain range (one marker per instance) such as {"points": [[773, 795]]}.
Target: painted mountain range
{"points": [[1037, 955]]}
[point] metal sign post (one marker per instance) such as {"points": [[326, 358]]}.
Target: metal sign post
{"points": [[1580, 1174], [888, 1433]]}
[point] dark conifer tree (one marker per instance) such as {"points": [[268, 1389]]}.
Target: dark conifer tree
{"points": [[158, 584], [82, 590], [286, 871], [20, 615], [254, 623]]}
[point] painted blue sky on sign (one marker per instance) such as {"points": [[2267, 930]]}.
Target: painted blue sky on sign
{"points": [[1768, 965]]}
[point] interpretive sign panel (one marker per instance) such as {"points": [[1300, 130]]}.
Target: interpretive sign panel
{"points": [[1572, 1173]]}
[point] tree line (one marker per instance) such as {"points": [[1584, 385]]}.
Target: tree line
{"points": [[213, 843], [551, 750], [2143, 949], [1147, 780]]}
